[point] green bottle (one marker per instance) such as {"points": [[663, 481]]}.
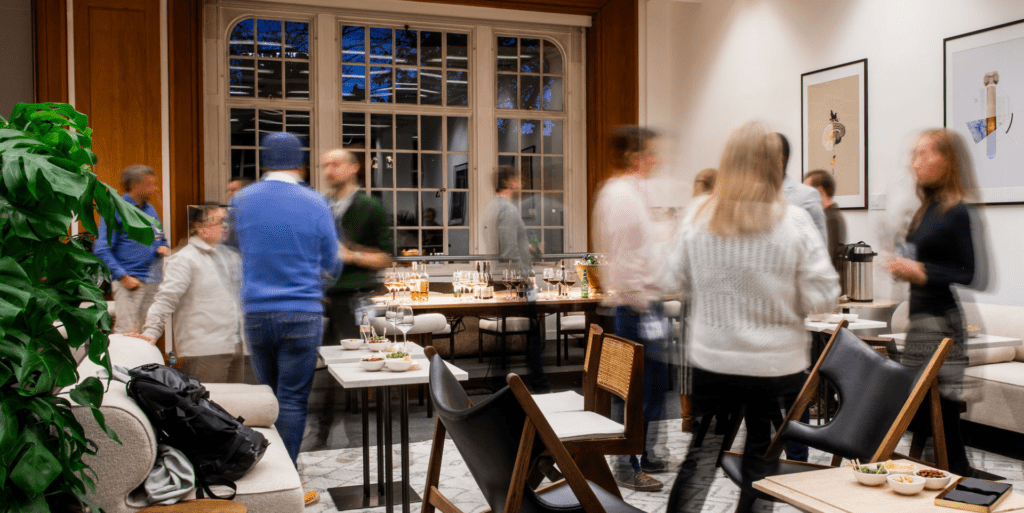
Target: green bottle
{"points": [[584, 286]]}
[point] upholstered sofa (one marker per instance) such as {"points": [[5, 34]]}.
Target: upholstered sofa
{"points": [[272, 485], [998, 372]]}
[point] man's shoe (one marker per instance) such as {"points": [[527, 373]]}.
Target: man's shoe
{"points": [[653, 466], [640, 482], [311, 498]]}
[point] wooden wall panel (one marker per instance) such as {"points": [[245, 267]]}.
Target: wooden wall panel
{"points": [[51, 50], [117, 83], [186, 101]]}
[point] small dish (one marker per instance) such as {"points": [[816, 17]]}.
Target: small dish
{"points": [[819, 317], [351, 343], [372, 365], [906, 484], [850, 317], [934, 483], [400, 365], [378, 346], [834, 318], [870, 478], [899, 468], [973, 331]]}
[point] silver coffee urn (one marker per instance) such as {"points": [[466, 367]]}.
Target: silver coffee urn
{"points": [[857, 276]]}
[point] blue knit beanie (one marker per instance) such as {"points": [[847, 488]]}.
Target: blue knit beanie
{"points": [[281, 150]]}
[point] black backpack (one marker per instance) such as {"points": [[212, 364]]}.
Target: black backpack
{"points": [[219, 446]]}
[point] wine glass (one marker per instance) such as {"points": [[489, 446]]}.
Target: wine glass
{"points": [[391, 283], [569, 280], [392, 315], [507, 278], [549, 277], [404, 321]]}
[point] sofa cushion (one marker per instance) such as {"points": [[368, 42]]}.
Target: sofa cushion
{"points": [[254, 403], [511, 325], [128, 352], [1001, 389], [583, 425], [1010, 373], [990, 355]]}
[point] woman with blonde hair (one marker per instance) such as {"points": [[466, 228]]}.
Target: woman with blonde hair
{"points": [[704, 182], [939, 252], [752, 267]]}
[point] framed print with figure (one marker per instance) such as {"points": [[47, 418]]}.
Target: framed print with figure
{"points": [[834, 128], [984, 86]]}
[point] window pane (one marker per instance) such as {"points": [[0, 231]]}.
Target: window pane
{"points": [[297, 122], [529, 89], [431, 135], [386, 198], [432, 205], [305, 159], [508, 135], [552, 93], [268, 38], [553, 241], [380, 131], [353, 130], [552, 58], [431, 170], [553, 137], [296, 40], [508, 53], [381, 47], [529, 55], [430, 87], [353, 44], [361, 159], [530, 173], [458, 171], [458, 88], [553, 174], [430, 49], [458, 134], [458, 242], [508, 92], [241, 77], [407, 239], [458, 54], [382, 170], [531, 136], [353, 83], [270, 79], [406, 132], [243, 163], [408, 208], [380, 84], [407, 170], [405, 47], [508, 160], [534, 235], [529, 208], [553, 209], [241, 39], [270, 121], [458, 209], [433, 242], [296, 82], [406, 88], [243, 127]]}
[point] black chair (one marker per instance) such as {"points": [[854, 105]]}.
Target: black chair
{"points": [[500, 439], [878, 398]]}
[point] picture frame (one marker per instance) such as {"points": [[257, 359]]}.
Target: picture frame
{"points": [[834, 129], [982, 85]]}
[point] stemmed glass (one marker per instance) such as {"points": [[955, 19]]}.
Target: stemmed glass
{"points": [[407, 285], [391, 283], [507, 278], [392, 315], [569, 279], [549, 277], [404, 321]]}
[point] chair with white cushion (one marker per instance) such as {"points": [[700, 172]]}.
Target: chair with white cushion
{"points": [[501, 328], [566, 327]]}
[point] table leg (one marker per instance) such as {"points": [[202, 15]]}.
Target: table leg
{"points": [[366, 441], [389, 478], [404, 419], [380, 441]]}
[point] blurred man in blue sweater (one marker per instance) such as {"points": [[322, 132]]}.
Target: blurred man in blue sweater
{"points": [[288, 243]]}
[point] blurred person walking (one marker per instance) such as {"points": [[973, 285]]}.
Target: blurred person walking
{"points": [[288, 243], [704, 182], [801, 195], [940, 252], [752, 269], [624, 230], [200, 288], [135, 268], [825, 183]]}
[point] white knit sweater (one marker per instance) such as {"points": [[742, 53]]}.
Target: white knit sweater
{"points": [[749, 294]]}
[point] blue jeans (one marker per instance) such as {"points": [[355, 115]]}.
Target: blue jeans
{"points": [[283, 346], [627, 325]]}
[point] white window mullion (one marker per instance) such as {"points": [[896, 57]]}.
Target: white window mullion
{"points": [[326, 83], [485, 143]]}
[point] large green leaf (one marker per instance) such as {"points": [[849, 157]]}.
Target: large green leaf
{"points": [[8, 426], [14, 287], [36, 468]]}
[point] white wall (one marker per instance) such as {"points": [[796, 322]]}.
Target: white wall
{"points": [[715, 65]]}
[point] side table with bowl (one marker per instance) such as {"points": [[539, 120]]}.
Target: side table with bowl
{"points": [[906, 484]]}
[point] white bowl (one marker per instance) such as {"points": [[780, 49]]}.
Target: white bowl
{"points": [[378, 346], [850, 317], [936, 483], [971, 333], [870, 479], [819, 317], [834, 318], [398, 364], [914, 486], [904, 468], [372, 365], [351, 343]]}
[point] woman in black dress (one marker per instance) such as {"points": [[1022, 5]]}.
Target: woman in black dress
{"points": [[940, 252]]}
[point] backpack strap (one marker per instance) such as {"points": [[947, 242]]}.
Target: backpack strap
{"points": [[204, 482]]}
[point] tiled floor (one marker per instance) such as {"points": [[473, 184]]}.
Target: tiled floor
{"points": [[329, 468]]}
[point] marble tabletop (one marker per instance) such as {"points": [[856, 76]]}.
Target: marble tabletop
{"points": [[338, 354], [979, 342], [860, 324], [352, 375]]}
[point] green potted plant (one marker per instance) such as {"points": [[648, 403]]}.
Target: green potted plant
{"points": [[49, 279]]}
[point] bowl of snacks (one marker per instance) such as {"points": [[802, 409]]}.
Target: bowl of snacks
{"points": [[899, 468], [351, 343], [818, 317], [973, 331], [373, 362], [398, 362], [934, 479], [906, 484], [848, 317], [378, 343], [872, 474]]}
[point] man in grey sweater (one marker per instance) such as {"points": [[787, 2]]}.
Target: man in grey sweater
{"points": [[800, 195]]}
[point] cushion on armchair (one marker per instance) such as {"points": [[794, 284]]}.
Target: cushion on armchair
{"points": [[254, 403]]}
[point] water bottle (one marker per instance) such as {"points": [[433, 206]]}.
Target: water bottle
{"points": [[584, 286]]}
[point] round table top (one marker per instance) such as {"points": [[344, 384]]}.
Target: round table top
{"points": [[876, 303]]}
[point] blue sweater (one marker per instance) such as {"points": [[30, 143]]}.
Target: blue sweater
{"points": [[288, 242], [124, 256]]}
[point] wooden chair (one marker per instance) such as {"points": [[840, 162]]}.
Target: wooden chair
{"points": [[501, 328], [571, 400], [499, 439], [878, 399], [566, 328]]}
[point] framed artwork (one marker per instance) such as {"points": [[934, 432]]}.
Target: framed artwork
{"points": [[834, 128], [983, 81]]}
